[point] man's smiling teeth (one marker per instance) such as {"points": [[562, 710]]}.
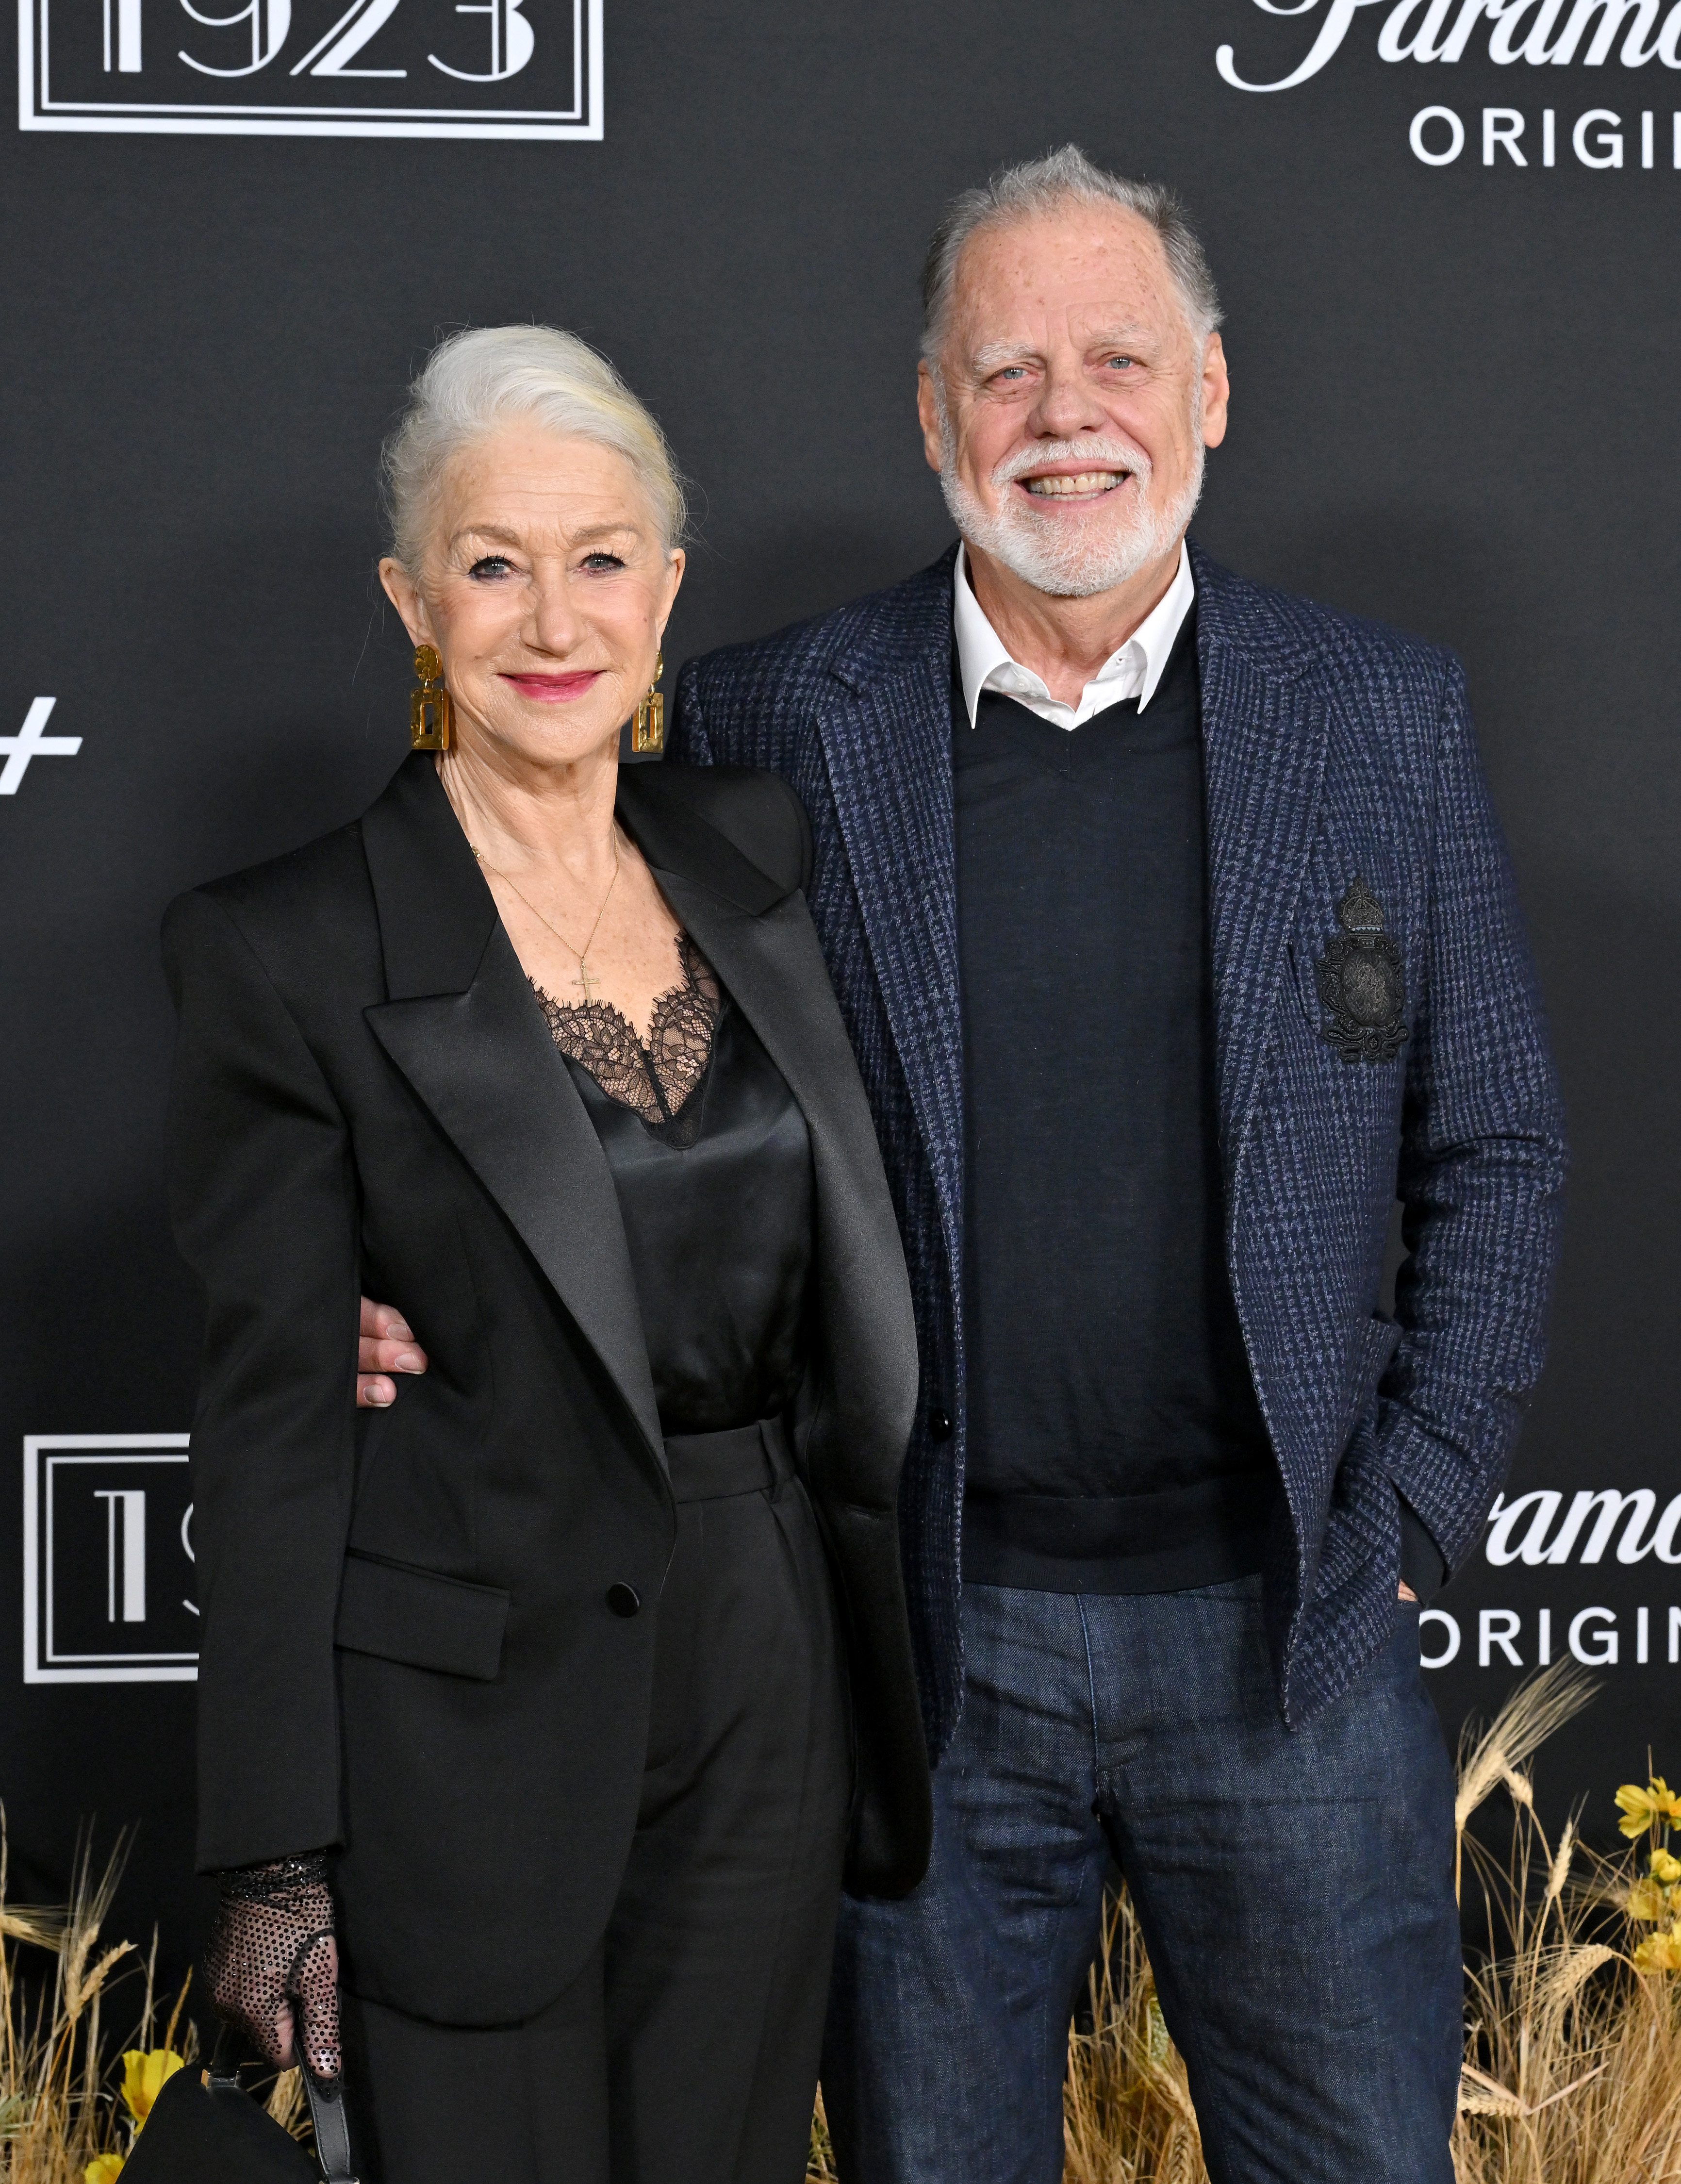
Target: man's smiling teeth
{"points": [[1087, 482]]}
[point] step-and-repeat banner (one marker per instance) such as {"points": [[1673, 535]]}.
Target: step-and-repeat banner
{"points": [[1446, 234]]}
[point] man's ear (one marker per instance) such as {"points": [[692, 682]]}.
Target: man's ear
{"points": [[928, 414], [1216, 392]]}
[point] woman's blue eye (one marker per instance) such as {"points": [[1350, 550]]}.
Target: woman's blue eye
{"points": [[491, 565], [603, 561]]}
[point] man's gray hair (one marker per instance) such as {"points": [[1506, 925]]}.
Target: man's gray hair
{"points": [[488, 376], [1043, 186]]}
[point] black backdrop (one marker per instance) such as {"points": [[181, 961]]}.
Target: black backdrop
{"points": [[1453, 409]]}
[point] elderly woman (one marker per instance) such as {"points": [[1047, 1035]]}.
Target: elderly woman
{"points": [[540, 1715]]}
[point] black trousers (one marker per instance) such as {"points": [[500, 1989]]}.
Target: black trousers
{"points": [[686, 2052]]}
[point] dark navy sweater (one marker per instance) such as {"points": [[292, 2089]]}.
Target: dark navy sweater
{"points": [[1115, 1441]]}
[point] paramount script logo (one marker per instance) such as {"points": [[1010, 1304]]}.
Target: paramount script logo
{"points": [[1538, 1529], [1555, 32], [378, 68], [1547, 1530]]}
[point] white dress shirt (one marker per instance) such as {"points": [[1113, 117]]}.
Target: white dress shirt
{"points": [[983, 662]]}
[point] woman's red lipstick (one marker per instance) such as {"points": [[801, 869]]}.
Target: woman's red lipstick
{"points": [[553, 689]]}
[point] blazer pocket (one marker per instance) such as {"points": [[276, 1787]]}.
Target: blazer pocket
{"points": [[1380, 1339], [1304, 978], [1376, 1342], [421, 1619]]}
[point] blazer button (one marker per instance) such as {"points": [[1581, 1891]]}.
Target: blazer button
{"points": [[939, 1425], [623, 1599]]}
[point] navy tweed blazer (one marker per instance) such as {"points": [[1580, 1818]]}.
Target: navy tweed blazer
{"points": [[1335, 749]]}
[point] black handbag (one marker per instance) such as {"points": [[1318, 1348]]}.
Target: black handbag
{"points": [[205, 2128]]}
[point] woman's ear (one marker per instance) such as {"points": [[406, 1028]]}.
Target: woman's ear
{"points": [[404, 595], [676, 562]]}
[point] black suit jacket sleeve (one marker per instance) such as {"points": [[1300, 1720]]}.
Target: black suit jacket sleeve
{"points": [[761, 814], [756, 812], [264, 1198]]}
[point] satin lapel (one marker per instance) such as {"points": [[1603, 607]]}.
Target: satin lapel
{"points": [[773, 969], [470, 1037], [888, 744], [1264, 741]]}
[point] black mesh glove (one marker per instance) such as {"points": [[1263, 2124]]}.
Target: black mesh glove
{"points": [[271, 1958]]}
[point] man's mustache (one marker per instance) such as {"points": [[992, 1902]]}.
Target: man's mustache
{"points": [[1089, 454]]}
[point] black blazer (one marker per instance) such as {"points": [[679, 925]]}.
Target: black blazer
{"points": [[407, 1649]]}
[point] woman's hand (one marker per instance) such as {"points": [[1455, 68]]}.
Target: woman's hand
{"points": [[384, 1346], [271, 1958]]}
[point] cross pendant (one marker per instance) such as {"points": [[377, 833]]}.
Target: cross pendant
{"points": [[586, 985]]}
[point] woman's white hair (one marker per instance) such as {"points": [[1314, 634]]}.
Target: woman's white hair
{"points": [[488, 376]]}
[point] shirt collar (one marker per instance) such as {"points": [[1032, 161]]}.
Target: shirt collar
{"points": [[980, 652]]}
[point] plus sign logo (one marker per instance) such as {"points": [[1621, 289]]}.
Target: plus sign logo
{"points": [[30, 742]]}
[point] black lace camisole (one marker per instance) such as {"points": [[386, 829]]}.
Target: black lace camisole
{"points": [[711, 1159]]}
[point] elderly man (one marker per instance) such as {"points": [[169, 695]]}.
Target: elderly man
{"points": [[1175, 935]]}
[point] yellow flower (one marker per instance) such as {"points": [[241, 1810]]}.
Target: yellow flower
{"points": [[144, 2074], [1660, 1953], [105, 2171], [1655, 1805], [1647, 1902], [1665, 1866]]}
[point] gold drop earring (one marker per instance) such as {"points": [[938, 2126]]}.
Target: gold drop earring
{"points": [[430, 725], [647, 730]]}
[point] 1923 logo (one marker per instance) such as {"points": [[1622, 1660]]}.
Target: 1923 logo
{"points": [[108, 1560], [379, 68]]}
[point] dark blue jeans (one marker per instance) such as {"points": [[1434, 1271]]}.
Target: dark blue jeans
{"points": [[1295, 1889]]}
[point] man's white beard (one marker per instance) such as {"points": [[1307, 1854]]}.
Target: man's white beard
{"points": [[1072, 561]]}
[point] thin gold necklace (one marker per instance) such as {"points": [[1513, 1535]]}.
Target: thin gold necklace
{"points": [[585, 985]]}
